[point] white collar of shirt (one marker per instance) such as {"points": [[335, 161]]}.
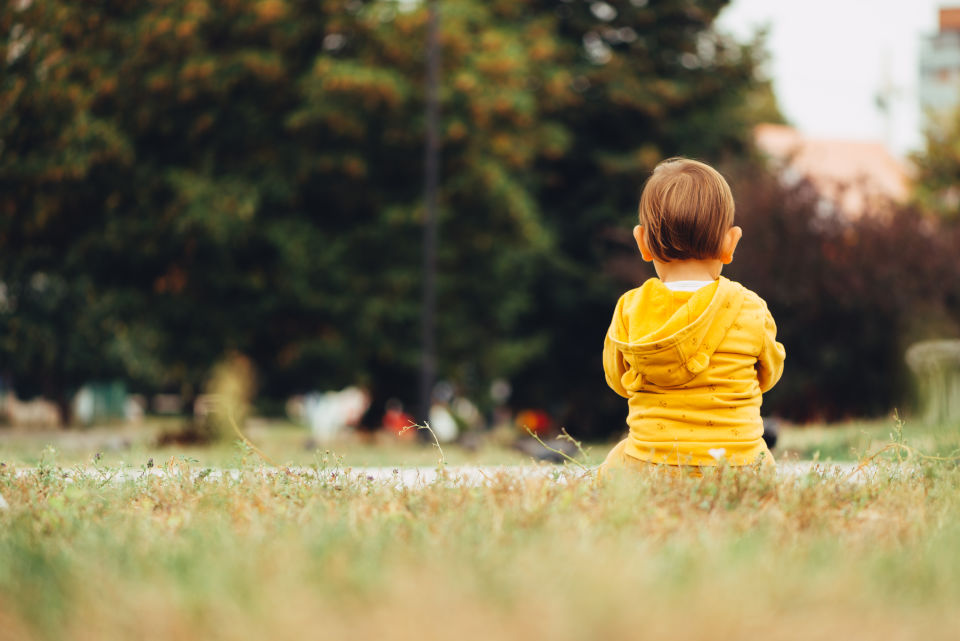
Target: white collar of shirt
{"points": [[687, 285]]}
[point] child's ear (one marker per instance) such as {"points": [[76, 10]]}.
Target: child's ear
{"points": [[641, 239], [730, 240]]}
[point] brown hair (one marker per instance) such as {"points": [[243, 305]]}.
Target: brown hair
{"points": [[685, 209]]}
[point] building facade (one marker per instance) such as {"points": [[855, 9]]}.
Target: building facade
{"points": [[940, 70]]}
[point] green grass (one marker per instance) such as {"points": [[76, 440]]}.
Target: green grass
{"points": [[284, 555], [290, 444], [855, 439], [288, 556], [281, 441]]}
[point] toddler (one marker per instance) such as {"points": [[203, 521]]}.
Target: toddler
{"points": [[691, 351]]}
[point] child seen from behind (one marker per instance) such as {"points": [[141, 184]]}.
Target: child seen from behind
{"points": [[691, 351]]}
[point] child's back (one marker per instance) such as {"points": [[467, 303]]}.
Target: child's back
{"points": [[693, 366], [692, 351]]}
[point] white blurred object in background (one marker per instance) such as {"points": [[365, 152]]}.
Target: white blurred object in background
{"points": [[464, 409], [37, 412], [329, 414], [443, 424]]}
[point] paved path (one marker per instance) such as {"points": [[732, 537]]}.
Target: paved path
{"points": [[412, 477]]}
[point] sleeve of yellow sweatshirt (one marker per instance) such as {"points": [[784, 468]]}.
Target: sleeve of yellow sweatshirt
{"points": [[772, 355], [614, 365]]}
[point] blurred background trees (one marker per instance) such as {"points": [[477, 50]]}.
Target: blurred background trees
{"points": [[651, 80], [849, 295], [187, 179], [938, 168]]}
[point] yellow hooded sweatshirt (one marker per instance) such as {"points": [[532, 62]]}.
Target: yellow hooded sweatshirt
{"points": [[693, 366]]}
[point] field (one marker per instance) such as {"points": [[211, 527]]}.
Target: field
{"points": [[313, 553], [290, 444]]}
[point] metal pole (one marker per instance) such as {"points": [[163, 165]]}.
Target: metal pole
{"points": [[428, 362]]}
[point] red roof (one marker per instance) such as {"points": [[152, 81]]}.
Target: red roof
{"points": [[858, 176]]}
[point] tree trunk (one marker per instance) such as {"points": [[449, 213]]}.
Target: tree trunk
{"points": [[64, 408]]}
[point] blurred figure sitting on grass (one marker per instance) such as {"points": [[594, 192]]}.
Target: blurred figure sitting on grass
{"points": [[330, 415], [398, 422], [691, 351]]}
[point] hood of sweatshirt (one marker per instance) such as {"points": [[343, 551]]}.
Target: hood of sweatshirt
{"points": [[669, 337]]}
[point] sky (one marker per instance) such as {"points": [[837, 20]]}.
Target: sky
{"points": [[829, 59]]}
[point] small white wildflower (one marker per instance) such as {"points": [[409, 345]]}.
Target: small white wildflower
{"points": [[3, 503]]}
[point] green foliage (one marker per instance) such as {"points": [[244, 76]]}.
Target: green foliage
{"points": [[849, 295], [937, 169], [196, 177], [650, 80]]}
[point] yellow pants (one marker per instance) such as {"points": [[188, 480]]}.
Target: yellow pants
{"points": [[618, 459]]}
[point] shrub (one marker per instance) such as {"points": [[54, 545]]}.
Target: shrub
{"points": [[849, 295]]}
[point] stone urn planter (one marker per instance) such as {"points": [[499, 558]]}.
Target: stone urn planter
{"points": [[936, 365]]}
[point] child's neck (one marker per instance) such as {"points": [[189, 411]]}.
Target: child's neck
{"points": [[708, 269]]}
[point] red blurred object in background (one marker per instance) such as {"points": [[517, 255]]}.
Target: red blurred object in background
{"points": [[395, 420], [537, 421]]}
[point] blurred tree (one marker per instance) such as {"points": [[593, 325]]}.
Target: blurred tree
{"points": [[651, 80], [365, 101], [58, 168], [849, 295], [198, 177], [761, 105], [186, 179], [937, 169]]}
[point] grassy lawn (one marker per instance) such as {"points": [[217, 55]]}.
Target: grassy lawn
{"points": [[853, 440], [290, 556], [315, 555], [286, 443], [282, 442]]}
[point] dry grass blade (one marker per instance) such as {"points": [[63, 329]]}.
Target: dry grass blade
{"points": [[566, 457], [903, 452], [442, 461], [246, 441]]}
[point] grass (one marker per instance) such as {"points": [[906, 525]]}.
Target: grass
{"points": [[292, 556], [312, 554], [290, 444], [852, 440], [283, 442]]}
